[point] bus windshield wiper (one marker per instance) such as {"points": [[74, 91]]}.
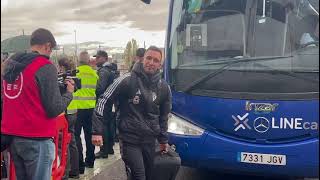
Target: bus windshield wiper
{"points": [[290, 73], [235, 60], [208, 76]]}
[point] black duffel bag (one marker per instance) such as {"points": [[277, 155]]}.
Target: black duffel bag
{"points": [[166, 165]]}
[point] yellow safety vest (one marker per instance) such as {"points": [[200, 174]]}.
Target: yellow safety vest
{"points": [[85, 98], [72, 108]]}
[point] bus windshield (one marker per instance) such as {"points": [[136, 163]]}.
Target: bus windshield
{"points": [[265, 38]]}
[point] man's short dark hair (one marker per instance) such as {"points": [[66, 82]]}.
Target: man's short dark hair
{"points": [[140, 52], [155, 48], [102, 54], [66, 63], [42, 36]]}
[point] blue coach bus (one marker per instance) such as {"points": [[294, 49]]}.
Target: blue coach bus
{"points": [[244, 75]]}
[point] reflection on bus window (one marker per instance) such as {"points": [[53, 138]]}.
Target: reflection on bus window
{"points": [[214, 29]]}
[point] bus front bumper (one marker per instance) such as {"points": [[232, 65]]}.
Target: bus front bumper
{"points": [[215, 152]]}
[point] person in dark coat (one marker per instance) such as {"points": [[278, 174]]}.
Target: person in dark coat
{"points": [[144, 102], [107, 72]]}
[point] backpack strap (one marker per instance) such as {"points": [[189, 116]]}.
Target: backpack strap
{"points": [[132, 86]]}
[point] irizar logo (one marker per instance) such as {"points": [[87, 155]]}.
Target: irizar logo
{"points": [[263, 124], [260, 107]]}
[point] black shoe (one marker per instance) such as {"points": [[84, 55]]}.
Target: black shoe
{"points": [[116, 139], [74, 176], [89, 165], [100, 155], [111, 151], [81, 167]]}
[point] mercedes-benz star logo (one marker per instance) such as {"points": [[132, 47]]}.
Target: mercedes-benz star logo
{"points": [[261, 124]]}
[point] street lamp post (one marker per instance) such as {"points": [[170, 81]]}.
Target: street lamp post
{"points": [[75, 43]]}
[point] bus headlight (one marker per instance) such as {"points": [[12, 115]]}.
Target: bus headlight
{"points": [[177, 125]]}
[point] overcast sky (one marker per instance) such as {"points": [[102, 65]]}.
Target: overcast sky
{"points": [[111, 21]]}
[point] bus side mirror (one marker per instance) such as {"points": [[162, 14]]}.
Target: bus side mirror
{"points": [[146, 1]]}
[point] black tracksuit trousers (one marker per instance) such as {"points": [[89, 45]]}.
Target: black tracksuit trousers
{"points": [[84, 120], [108, 134], [138, 159]]}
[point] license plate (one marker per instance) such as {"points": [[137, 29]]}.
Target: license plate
{"points": [[257, 158]]}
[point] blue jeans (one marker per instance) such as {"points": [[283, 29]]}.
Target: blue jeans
{"points": [[33, 158]]}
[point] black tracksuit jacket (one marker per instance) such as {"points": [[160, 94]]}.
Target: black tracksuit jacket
{"points": [[144, 102]]}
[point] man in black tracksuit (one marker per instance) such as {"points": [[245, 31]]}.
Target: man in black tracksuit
{"points": [[144, 102], [107, 72]]}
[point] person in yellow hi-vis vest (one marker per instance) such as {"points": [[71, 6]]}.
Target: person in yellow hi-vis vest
{"points": [[85, 101], [72, 168]]}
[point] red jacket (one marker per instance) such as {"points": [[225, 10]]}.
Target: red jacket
{"points": [[23, 112]]}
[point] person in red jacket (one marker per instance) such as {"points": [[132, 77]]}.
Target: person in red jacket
{"points": [[31, 103]]}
